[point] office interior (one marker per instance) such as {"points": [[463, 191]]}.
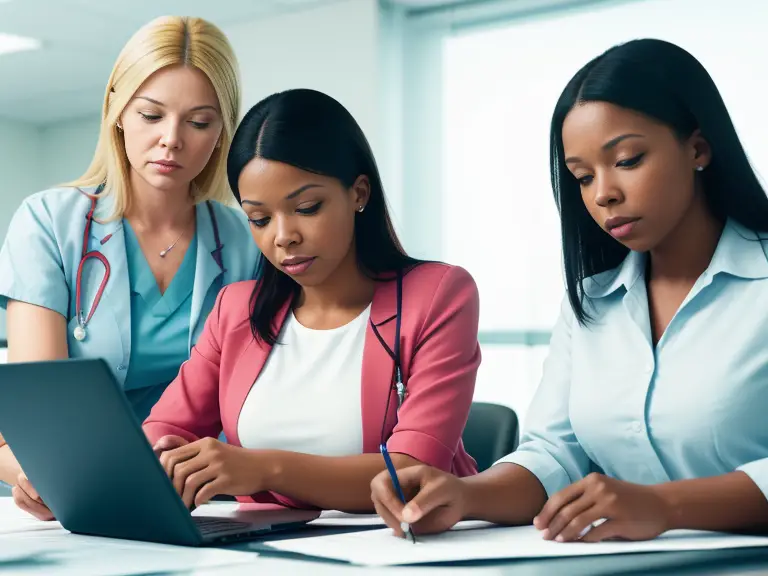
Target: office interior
{"points": [[455, 97]]}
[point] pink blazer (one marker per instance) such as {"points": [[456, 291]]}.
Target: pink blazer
{"points": [[440, 357]]}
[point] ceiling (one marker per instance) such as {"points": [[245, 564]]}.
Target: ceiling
{"points": [[81, 39]]}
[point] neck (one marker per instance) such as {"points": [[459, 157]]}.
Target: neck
{"points": [[347, 288], [688, 249], [158, 210]]}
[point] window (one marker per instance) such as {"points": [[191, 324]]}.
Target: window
{"points": [[499, 88]]}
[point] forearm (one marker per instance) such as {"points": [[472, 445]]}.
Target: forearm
{"points": [[9, 467], [504, 494], [719, 503], [330, 483]]}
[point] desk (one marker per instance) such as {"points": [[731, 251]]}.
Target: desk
{"points": [[231, 562]]}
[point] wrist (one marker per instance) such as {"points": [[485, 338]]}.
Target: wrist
{"points": [[266, 469], [471, 498], [670, 504]]}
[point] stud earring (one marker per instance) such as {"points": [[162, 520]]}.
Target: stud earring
{"points": [[119, 126], [361, 209], [699, 168]]}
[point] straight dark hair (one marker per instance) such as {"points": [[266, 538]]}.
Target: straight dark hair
{"points": [[312, 131], [666, 83]]}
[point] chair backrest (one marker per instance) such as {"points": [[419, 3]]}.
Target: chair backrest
{"points": [[491, 433]]}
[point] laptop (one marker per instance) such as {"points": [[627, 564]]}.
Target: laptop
{"points": [[78, 441]]}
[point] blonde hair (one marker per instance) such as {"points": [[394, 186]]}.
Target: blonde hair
{"points": [[166, 41]]}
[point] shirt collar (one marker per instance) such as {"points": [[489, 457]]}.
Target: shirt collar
{"points": [[740, 252]]}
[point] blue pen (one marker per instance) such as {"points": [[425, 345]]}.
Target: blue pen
{"points": [[404, 526]]}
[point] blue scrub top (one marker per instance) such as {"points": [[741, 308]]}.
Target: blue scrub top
{"points": [[159, 324], [39, 260]]}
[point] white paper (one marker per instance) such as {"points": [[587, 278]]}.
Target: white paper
{"points": [[468, 541], [336, 518], [14, 520]]}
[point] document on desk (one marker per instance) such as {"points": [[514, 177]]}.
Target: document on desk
{"points": [[481, 541], [14, 520], [336, 518]]}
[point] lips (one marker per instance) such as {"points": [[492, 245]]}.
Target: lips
{"points": [[297, 265], [295, 260], [617, 221], [168, 163]]}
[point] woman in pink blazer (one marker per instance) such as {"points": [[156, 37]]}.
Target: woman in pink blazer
{"points": [[300, 369]]}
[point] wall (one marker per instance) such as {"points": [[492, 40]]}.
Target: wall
{"points": [[22, 165], [68, 148], [334, 48]]}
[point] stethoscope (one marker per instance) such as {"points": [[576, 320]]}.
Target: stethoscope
{"points": [[80, 331], [398, 382]]}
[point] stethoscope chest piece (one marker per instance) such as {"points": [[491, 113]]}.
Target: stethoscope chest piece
{"points": [[79, 333]]}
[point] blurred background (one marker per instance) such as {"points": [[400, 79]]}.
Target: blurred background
{"points": [[455, 97]]}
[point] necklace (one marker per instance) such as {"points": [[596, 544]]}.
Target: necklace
{"points": [[163, 253]]}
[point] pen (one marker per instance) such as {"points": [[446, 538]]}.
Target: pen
{"points": [[404, 526]]}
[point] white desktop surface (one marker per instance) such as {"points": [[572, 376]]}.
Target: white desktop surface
{"points": [[28, 546], [37, 548]]}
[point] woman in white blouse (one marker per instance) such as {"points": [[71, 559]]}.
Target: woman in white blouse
{"points": [[650, 414]]}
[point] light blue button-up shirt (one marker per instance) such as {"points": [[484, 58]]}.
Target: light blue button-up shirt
{"points": [[696, 405]]}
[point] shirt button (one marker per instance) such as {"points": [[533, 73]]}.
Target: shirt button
{"points": [[121, 367]]}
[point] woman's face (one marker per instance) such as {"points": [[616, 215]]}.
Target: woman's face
{"points": [[303, 223], [637, 178], [171, 127]]}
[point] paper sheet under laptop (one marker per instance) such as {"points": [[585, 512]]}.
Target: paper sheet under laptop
{"points": [[479, 541]]}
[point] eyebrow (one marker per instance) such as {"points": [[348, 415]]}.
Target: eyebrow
{"points": [[196, 108], [290, 196], [612, 143]]}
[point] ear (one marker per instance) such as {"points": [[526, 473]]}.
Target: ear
{"points": [[700, 151], [361, 192]]}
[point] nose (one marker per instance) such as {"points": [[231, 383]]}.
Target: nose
{"points": [[171, 136], [287, 234], [607, 192]]}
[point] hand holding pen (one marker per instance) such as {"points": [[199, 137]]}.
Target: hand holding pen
{"points": [[404, 526], [439, 499]]}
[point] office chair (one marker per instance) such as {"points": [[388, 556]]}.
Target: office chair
{"points": [[491, 432]]}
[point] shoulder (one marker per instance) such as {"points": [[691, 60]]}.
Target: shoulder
{"points": [[234, 299], [48, 216], [56, 201], [231, 220], [430, 279]]}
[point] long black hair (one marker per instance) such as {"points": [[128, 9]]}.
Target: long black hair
{"points": [[312, 131], [664, 82]]}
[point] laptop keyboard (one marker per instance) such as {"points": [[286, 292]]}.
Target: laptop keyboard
{"points": [[209, 526]]}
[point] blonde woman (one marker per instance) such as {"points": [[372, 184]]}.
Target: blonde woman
{"points": [[126, 262]]}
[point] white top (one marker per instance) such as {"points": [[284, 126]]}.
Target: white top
{"points": [[307, 397]]}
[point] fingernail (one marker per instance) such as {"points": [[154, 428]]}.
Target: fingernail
{"points": [[410, 515], [559, 538], [545, 534]]}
